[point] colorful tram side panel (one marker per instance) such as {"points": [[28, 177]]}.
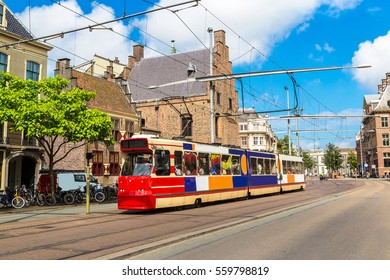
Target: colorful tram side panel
{"points": [[160, 173], [291, 172]]}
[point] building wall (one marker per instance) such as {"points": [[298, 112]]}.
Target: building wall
{"points": [[166, 116], [20, 158]]}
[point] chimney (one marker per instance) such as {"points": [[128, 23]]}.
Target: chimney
{"points": [[138, 52], [63, 68], [219, 37]]}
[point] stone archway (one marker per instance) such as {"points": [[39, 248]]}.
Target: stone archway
{"points": [[22, 168]]}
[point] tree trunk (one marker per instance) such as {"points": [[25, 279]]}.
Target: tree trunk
{"points": [[51, 173]]}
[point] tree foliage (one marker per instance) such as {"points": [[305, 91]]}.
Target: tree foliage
{"points": [[332, 158], [352, 160], [52, 115], [308, 161], [282, 146]]}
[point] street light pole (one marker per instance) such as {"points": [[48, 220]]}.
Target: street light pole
{"points": [[288, 120], [361, 151]]}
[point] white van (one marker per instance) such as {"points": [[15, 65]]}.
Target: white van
{"points": [[73, 181]]}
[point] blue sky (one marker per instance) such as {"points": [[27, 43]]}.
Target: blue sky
{"points": [[261, 34]]}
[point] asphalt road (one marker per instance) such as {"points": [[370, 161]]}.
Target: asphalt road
{"points": [[109, 233], [353, 226]]}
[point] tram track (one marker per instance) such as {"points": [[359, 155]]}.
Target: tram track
{"points": [[101, 235]]}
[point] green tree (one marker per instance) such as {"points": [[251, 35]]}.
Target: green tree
{"points": [[52, 115], [332, 158], [282, 146], [352, 160], [308, 161]]}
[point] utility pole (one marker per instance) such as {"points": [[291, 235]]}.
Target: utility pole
{"points": [[288, 120]]}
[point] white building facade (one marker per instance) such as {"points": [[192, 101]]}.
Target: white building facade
{"points": [[255, 132]]}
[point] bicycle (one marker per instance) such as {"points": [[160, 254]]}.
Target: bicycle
{"points": [[26, 195], [13, 199]]}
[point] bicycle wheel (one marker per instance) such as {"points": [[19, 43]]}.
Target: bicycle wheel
{"points": [[68, 198], [40, 200], [50, 200], [18, 202], [79, 197], [100, 197]]}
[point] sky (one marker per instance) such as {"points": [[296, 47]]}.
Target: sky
{"points": [[262, 35]]}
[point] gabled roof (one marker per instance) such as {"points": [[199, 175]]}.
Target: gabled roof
{"points": [[383, 101], [110, 97], [379, 102], [168, 69], [15, 26]]}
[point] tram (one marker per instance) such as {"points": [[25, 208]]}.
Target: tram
{"points": [[162, 173]]}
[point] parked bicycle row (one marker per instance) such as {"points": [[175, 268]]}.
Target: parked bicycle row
{"points": [[21, 197]]}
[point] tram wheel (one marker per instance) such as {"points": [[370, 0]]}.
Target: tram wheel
{"points": [[179, 208], [198, 203]]}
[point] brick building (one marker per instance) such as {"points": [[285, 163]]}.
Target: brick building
{"points": [[373, 143], [111, 99], [182, 110], [20, 157]]}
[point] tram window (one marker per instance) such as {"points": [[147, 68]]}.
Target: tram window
{"points": [[236, 170], [284, 167], [178, 155], [204, 164], [289, 167], [273, 167], [254, 166], [226, 164], [299, 168], [142, 164], [215, 164], [260, 166], [267, 169], [161, 158], [190, 163]]}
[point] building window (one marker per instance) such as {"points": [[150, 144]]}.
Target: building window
{"points": [[243, 127], [3, 62], [32, 71], [1, 14], [97, 163], [116, 134], [243, 141], [261, 140], [114, 164], [386, 162], [129, 129], [230, 104], [384, 122], [186, 126], [256, 126], [218, 98], [385, 140], [255, 140]]}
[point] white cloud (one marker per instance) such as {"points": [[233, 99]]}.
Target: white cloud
{"points": [[328, 48], [261, 23], [79, 46], [375, 53]]}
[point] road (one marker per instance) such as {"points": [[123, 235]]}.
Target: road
{"points": [[337, 219], [354, 226]]}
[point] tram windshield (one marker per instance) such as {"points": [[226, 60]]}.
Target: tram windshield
{"points": [[137, 165]]}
